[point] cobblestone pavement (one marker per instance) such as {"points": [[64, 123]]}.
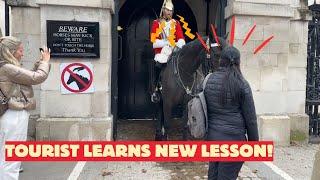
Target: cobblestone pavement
{"points": [[296, 161], [143, 130], [153, 170]]}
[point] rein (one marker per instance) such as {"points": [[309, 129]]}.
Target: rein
{"points": [[175, 64]]}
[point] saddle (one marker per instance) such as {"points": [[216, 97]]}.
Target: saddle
{"points": [[171, 62]]}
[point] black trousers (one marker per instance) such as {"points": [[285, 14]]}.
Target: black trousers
{"points": [[224, 170], [157, 69]]}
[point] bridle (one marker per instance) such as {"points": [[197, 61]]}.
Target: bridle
{"points": [[177, 71]]}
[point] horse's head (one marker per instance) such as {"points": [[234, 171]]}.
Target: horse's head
{"points": [[210, 55], [70, 80]]}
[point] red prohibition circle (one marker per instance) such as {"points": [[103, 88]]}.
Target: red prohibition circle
{"points": [[67, 69]]}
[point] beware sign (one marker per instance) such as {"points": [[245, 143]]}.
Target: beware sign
{"points": [[76, 78]]}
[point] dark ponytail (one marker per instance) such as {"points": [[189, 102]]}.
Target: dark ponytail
{"points": [[233, 79]]}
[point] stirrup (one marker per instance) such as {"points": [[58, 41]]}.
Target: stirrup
{"points": [[155, 97]]}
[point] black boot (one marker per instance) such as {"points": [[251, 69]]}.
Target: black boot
{"points": [[158, 136], [155, 96]]}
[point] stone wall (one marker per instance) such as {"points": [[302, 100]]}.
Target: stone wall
{"points": [[61, 114], [278, 73]]}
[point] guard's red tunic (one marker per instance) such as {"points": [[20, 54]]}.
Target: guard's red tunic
{"points": [[177, 35]]}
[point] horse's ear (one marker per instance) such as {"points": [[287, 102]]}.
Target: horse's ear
{"points": [[208, 43], [216, 38], [223, 42], [203, 43]]}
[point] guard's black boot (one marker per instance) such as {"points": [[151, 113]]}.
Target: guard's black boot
{"points": [[165, 137], [155, 96], [158, 136]]}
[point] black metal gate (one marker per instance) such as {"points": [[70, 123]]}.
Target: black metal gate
{"points": [[313, 73]]}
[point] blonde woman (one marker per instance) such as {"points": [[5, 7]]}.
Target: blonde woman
{"points": [[16, 84]]}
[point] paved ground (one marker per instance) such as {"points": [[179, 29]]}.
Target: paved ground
{"points": [[152, 170], [296, 161], [123, 170]]}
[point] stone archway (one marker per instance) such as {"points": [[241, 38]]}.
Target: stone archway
{"points": [[135, 68], [188, 5], [199, 10]]}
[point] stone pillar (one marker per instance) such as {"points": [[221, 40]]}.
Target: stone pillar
{"points": [[277, 74], [2, 20], [77, 116], [25, 25]]}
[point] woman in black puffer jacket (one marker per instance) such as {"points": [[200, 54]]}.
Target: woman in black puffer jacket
{"points": [[231, 111]]}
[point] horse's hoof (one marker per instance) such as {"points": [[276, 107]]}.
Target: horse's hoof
{"points": [[165, 137], [158, 137]]}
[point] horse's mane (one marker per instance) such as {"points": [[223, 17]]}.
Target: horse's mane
{"points": [[193, 46], [191, 49]]}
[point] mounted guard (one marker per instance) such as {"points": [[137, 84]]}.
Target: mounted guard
{"points": [[166, 36]]}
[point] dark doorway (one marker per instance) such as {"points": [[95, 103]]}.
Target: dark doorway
{"points": [[136, 55], [134, 68]]}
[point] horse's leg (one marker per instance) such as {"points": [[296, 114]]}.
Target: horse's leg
{"points": [[186, 133], [185, 123], [167, 110], [159, 121]]}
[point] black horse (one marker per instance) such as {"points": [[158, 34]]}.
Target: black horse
{"points": [[84, 80], [179, 81]]}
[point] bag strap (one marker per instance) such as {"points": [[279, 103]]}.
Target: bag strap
{"points": [[24, 96], [205, 113], [7, 97], [2, 94], [205, 81]]}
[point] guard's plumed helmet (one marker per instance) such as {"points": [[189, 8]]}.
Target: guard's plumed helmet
{"points": [[168, 5]]}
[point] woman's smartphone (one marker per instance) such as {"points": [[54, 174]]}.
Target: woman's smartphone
{"points": [[41, 50]]}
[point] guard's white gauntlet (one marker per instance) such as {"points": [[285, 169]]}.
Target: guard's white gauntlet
{"points": [[160, 43], [180, 43]]}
